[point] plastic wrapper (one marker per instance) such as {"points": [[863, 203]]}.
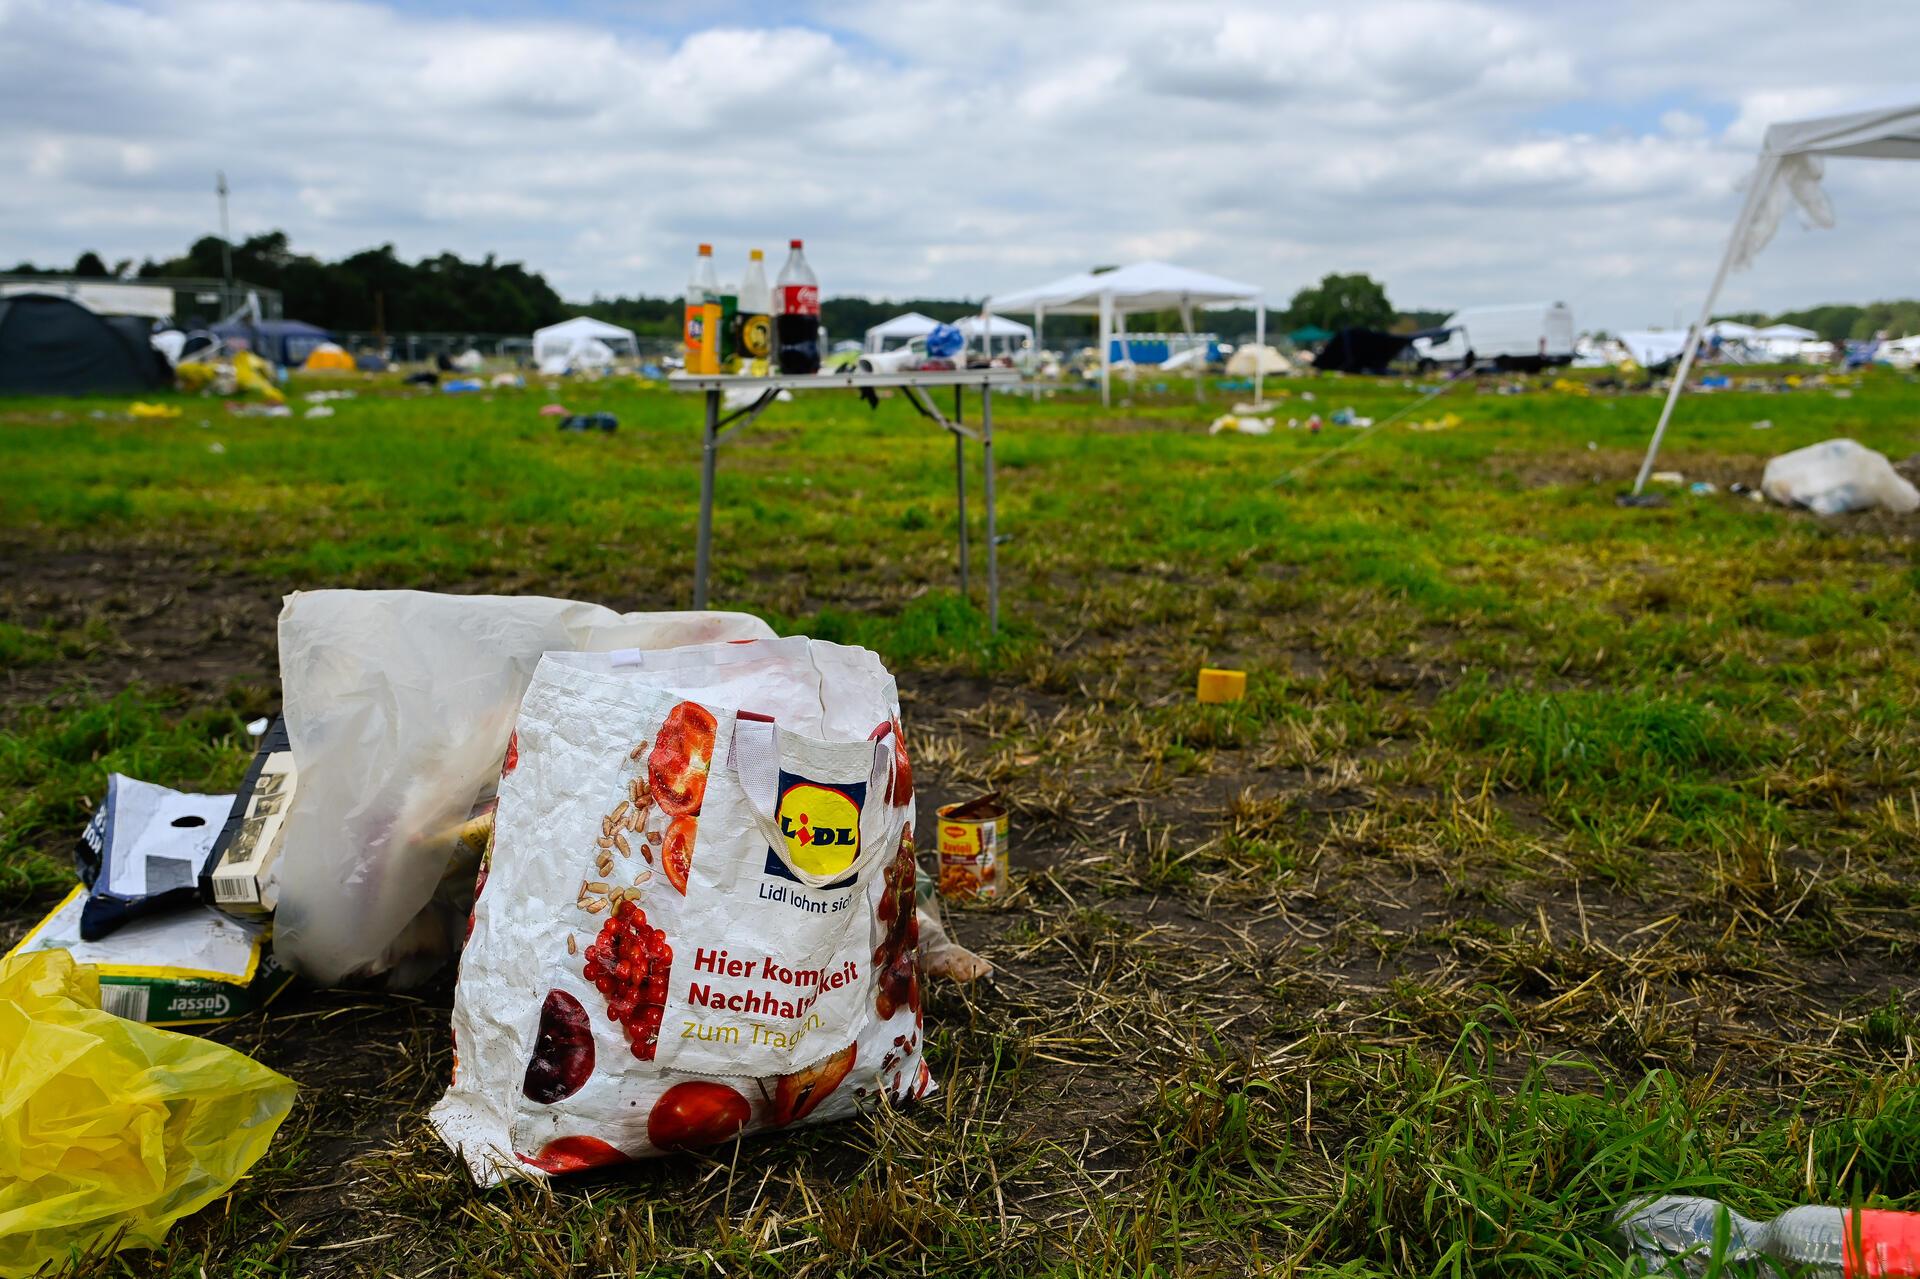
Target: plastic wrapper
{"points": [[697, 918], [105, 1123], [398, 707], [1835, 476]]}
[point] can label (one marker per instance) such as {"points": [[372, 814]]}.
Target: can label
{"points": [[756, 336], [973, 849]]}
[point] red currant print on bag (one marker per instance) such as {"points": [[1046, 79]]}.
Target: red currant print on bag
{"points": [[628, 964]]}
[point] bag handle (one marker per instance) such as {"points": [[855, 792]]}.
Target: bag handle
{"points": [[755, 760]]}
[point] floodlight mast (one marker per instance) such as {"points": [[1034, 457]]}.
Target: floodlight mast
{"points": [[226, 242]]}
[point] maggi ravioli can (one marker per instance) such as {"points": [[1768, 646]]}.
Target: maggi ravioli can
{"points": [[973, 848]]}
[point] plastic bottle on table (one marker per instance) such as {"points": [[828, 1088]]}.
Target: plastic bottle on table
{"points": [[754, 325], [702, 349], [1819, 1243], [796, 322]]}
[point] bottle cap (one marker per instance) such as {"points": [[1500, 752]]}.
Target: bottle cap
{"points": [[793, 244], [755, 255], [706, 250]]}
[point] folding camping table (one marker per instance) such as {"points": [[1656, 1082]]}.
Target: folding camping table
{"points": [[915, 387]]}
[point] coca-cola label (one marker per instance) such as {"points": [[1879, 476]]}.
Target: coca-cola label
{"points": [[800, 299]]}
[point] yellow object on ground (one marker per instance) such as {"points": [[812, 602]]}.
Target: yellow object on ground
{"points": [[1445, 422], [251, 373], [1222, 686], [195, 375], [106, 1123], [329, 358], [142, 408], [1567, 386]]}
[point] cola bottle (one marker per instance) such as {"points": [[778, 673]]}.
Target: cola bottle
{"points": [[754, 323], [702, 346], [796, 321]]}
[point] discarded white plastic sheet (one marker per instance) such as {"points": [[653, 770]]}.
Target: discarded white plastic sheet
{"points": [[398, 706], [1835, 476]]}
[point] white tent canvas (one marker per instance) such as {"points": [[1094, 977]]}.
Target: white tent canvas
{"points": [[898, 331], [1791, 163], [560, 341], [1144, 286], [1253, 359], [1008, 335]]}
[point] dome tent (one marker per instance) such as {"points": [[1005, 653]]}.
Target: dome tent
{"points": [[53, 346], [329, 357], [287, 342], [1254, 360]]}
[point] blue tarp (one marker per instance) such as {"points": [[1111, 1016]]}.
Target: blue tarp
{"points": [[287, 342]]}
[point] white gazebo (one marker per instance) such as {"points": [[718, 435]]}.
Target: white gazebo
{"points": [[560, 341], [1010, 334], [900, 330], [1791, 163], [1144, 286]]}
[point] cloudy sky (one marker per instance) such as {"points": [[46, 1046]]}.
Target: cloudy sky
{"points": [[1463, 151]]}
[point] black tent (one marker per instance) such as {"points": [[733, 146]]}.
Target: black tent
{"points": [[54, 346], [1360, 350]]}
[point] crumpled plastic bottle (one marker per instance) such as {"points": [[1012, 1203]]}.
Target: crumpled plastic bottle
{"points": [[1676, 1235]]}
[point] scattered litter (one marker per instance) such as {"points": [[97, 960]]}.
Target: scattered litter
{"points": [[1567, 386], [508, 381], [1842, 394], [1805, 1240], [1648, 500], [1445, 422], [1715, 382], [1307, 396], [321, 397], [1764, 424], [1347, 417], [1314, 424], [973, 849], [590, 422], [188, 968], [143, 408], [1745, 490], [462, 386], [426, 377], [1241, 425], [1668, 477], [241, 874], [553, 410], [255, 727], [142, 851], [216, 447], [561, 1057], [113, 1126], [1593, 446], [258, 409], [318, 410], [1221, 685], [1835, 476], [1702, 488]]}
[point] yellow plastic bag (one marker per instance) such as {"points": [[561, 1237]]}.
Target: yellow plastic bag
{"points": [[254, 375], [107, 1123]]}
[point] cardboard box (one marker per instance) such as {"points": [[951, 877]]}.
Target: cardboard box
{"points": [[241, 873]]}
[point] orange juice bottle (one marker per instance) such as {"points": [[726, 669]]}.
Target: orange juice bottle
{"points": [[702, 349]]}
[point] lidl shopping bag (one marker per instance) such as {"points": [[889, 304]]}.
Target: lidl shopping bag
{"points": [[697, 917]]}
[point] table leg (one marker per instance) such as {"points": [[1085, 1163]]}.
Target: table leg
{"points": [[993, 542], [703, 547], [960, 489]]}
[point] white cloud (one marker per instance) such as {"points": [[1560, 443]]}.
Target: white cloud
{"points": [[1466, 151]]}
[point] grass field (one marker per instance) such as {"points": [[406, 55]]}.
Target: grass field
{"points": [[1558, 853]]}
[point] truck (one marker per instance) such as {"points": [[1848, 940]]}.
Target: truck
{"points": [[1525, 336]]}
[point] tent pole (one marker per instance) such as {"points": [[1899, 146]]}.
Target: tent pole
{"points": [[1186, 318], [1260, 340], [1039, 347], [1126, 349], [1762, 180], [1106, 349]]}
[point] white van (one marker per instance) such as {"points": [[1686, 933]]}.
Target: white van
{"points": [[1531, 335]]}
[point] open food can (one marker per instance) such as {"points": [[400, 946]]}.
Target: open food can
{"points": [[973, 848]]}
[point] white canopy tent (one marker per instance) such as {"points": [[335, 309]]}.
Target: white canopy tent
{"points": [[1144, 286], [899, 330], [998, 328], [560, 341], [1792, 160]]}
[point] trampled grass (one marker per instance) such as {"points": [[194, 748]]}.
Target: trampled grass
{"points": [[1559, 853]]}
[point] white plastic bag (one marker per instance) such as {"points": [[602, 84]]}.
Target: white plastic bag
{"points": [[1838, 475], [697, 916], [398, 708]]}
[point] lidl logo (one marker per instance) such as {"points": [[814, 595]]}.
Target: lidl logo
{"points": [[821, 825]]}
